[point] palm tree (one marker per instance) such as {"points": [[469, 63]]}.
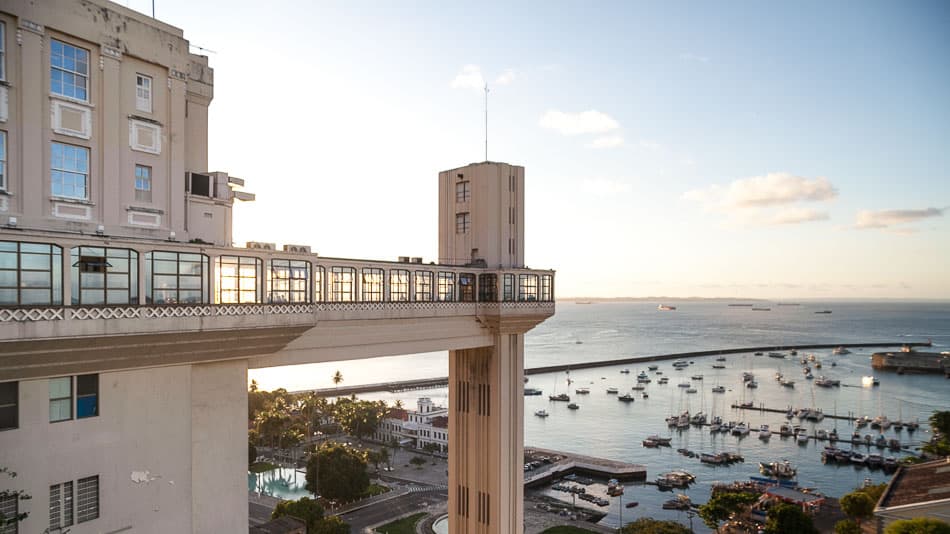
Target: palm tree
{"points": [[398, 404], [337, 378]]}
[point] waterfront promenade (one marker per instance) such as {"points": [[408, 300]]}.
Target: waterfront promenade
{"points": [[437, 382]]}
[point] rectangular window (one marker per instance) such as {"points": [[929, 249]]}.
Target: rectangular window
{"points": [[462, 222], [463, 191], [289, 281], [508, 292], [60, 399], [318, 291], [87, 499], [446, 287], [238, 279], [87, 396], [69, 171], [143, 93], [9, 405], [343, 284], [9, 509], [372, 285], [487, 287], [399, 285], [69, 70], [466, 287], [143, 183], [176, 278], [423, 282], [60, 505], [30, 274], [104, 276], [547, 288], [528, 287], [3, 51], [3, 159]]}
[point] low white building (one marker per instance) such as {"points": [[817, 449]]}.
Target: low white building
{"points": [[417, 429]]}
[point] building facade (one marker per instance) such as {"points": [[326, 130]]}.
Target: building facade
{"points": [[426, 428], [128, 320]]}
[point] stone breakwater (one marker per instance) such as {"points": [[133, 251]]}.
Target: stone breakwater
{"points": [[912, 362]]}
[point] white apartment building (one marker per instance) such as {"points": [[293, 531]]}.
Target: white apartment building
{"points": [[426, 427]]}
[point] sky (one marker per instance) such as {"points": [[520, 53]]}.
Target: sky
{"points": [[733, 149]]}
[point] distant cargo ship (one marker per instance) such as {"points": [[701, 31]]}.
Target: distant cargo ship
{"points": [[664, 307], [740, 304], [761, 309], [823, 311]]}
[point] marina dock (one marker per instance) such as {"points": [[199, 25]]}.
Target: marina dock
{"points": [[570, 463], [437, 382]]}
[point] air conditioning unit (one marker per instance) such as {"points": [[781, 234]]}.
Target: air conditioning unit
{"points": [[261, 246], [416, 260], [403, 259], [299, 249], [199, 184]]}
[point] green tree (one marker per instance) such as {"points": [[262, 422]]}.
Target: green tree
{"points": [[330, 525], [785, 518], [337, 472], [874, 492], [847, 526], [359, 418], [306, 509], [645, 525], [940, 422], [920, 525], [857, 505], [19, 495], [418, 461], [722, 506]]}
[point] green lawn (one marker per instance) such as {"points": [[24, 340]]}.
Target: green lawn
{"points": [[563, 529], [374, 490], [406, 525]]}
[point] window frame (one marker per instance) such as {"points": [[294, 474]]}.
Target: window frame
{"points": [[64, 502], [508, 287], [466, 287], [463, 222], [88, 393], [487, 287], [240, 279], [54, 276], [87, 508], [143, 183], [527, 288], [139, 99], [12, 404], [59, 400], [3, 51], [445, 286], [400, 285], [341, 286], [372, 289], [546, 288], [109, 274], [292, 295], [10, 508], [463, 191], [66, 72], [204, 276], [319, 287], [425, 288], [58, 174]]}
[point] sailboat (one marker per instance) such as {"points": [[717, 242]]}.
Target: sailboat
{"points": [[561, 397]]}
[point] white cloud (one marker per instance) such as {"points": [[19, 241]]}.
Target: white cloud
{"points": [[506, 77], [583, 122], [798, 215], [686, 56], [754, 201], [604, 187], [607, 141], [650, 145], [886, 218], [470, 77]]}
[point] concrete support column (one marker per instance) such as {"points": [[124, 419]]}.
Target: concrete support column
{"points": [[486, 433], [218, 447]]}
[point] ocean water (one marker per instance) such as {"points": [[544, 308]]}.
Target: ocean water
{"points": [[608, 428]]}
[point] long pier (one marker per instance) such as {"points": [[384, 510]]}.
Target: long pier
{"points": [[437, 382], [760, 408]]}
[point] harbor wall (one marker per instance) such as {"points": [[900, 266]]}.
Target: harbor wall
{"points": [[915, 362]]}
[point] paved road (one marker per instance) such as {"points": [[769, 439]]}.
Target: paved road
{"points": [[258, 513], [378, 513]]}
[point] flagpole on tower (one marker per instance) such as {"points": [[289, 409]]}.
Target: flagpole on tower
{"points": [[486, 122]]}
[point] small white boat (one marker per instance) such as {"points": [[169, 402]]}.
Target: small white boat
{"points": [[542, 413], [840, 351], [612, 391], [582, 391], [764, 432], [802, 438]]}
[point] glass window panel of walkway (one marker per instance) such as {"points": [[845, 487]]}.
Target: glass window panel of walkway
{"points": [[466, 287], [289, 281], [30, 274], [319, 277], [399, 285], [423, 283], [508, 293], [372, 285], [238, 280], [528, 287], [342, 284], [487, 287], [446, 287], [176, 278], [104, 276]]}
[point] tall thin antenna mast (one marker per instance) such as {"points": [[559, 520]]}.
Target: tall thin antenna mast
{"points": [[486, 122]]}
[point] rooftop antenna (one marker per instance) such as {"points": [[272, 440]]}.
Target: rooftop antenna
{"points": [[486, 122], [153, 9]]}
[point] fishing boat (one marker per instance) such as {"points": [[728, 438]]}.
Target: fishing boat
{"points": [[698, 419], [839, 351], [759, 353], [625, 371], [719, 389], [782, 469], [679, 364], [660, 440], [718, 366], [541, 413], [645, 395], [612, 391], [631, 504], [653, 367], [532, 391], [697, 377], [777, 355], [626, 397], [683, 384], [582, 391], [721, 359], [650, 444], [664, 307], [573, 406], [788, 383], [691, 390], [747, 376], [638, 387], [561, 397]]}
